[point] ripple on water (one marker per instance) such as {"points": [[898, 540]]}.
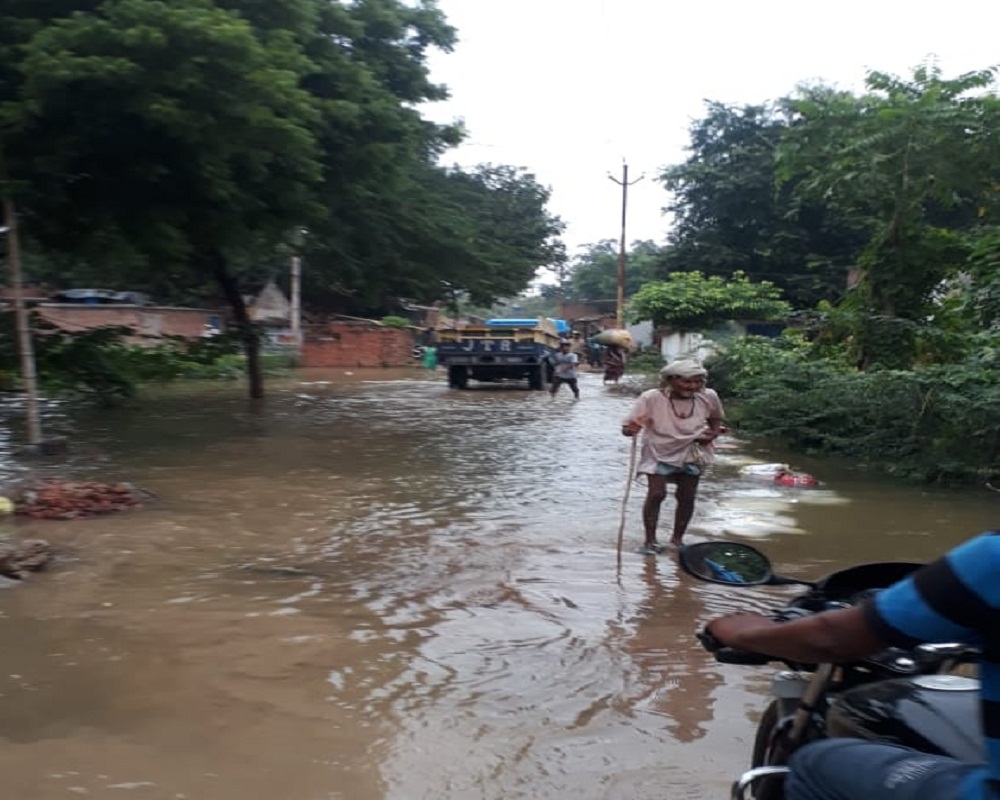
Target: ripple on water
{"points": [[392, 591]]}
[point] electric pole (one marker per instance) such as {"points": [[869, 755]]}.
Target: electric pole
{"points": [[295, 275], [624, 183], [296, 301], [28, 375]]}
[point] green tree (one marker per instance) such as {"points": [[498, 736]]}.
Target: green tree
{"points": [[481, 233], [730, 213], [689, 301], [165, 134], [914, 161], [189, 139], [593, 273], [982, 298]]}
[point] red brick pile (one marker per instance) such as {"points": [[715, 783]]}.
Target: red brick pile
{"points": [[74, 499]]}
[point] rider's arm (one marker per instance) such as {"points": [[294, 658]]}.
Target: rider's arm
{"points": [[832, 636], [954, 599]]}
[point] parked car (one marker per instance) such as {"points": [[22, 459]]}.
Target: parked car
{"points": [[96, 297]]}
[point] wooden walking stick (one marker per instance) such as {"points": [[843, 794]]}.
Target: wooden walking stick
{"points": [[628, 491]]}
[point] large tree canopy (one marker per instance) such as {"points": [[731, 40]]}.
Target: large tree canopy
{"points": [[481, 233], [691, 301], [731, 214], [592, 274], [916, 163], [182, 144]]}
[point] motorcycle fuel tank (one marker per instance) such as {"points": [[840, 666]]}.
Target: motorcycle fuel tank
{"points": [[931, 713]]}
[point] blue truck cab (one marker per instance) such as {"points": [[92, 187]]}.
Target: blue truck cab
{"points": [[501, 350]]}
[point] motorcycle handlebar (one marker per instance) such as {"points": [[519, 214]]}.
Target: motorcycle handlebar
{"points": [[728, 655]]}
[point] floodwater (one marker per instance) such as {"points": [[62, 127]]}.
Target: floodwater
{"points": [[370, 587]]}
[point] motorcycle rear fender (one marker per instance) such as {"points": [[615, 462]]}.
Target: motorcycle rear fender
{"points": [[747, 779]]}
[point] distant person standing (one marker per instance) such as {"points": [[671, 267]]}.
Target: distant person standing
{"points": [[564, 364]]}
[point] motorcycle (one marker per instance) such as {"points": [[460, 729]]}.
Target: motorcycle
{"points": [[910, 697]]}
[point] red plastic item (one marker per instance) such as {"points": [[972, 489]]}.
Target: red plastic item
{"points": [[795, 479]]}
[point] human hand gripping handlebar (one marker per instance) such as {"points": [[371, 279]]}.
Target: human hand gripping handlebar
{"points": [[729, 655]]}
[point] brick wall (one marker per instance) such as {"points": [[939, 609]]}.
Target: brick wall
{"points": [[356, 344]]}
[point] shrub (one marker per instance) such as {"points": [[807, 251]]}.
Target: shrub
{"points": [[939, 423]]}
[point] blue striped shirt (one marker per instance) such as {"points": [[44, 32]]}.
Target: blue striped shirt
{"points": [[955, 599]]}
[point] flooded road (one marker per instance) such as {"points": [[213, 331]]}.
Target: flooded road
{"points": [[374, 588]]}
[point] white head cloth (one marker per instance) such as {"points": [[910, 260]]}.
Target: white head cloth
{"points": [[686, 368]]}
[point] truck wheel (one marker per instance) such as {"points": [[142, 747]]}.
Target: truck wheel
{"points": [[537, 378], [458, 377]]}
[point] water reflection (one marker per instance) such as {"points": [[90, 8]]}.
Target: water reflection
{"points": [[678, 677], [371, 587]]}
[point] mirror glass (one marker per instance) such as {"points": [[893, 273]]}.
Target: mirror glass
{"points": [[726, 562]]}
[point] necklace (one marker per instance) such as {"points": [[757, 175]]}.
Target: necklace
{"points": [[678, 414]]}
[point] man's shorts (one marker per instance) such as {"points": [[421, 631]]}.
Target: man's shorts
{"points": [[672, 469]]}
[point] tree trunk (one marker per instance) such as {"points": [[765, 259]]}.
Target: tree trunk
{"points": [[251, 342]]}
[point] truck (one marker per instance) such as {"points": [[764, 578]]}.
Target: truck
{"points": [[501, 350]]}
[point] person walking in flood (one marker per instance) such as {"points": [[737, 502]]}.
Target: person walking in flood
{"points": [[614, 363], [679, 422], [564, 364]]}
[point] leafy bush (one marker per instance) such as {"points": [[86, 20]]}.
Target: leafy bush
{"points": [[647, 359], [690, 301], [104, 365], [395, 322], [939, 423]]}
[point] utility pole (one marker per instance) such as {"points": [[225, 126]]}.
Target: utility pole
{"points": [[296, 310], [624, 183], [28, 374], [561, 277]]}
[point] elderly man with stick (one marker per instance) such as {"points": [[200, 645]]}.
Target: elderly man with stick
{"points": [[679, 422]]}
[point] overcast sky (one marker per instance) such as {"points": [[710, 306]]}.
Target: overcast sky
{"points": [[570, 88]]}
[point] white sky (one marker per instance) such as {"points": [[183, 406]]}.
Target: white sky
{"points": [[570, 88]]}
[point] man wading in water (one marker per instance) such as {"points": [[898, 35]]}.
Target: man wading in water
{"points": [[564, 365], [679, 422]]}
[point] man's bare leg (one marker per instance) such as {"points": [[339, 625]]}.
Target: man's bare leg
{"points": [[686, 492], [656, 492]]}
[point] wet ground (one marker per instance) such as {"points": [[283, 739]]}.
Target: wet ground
{"points": [[370, 587]]}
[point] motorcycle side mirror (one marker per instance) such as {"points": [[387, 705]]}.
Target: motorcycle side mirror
{"points": [[726, 562], [731, 563]]}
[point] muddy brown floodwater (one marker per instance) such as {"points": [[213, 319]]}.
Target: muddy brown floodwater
{"points": [[373, 588]]}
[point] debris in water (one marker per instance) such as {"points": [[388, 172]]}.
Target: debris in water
{"points": [[74, 499]]}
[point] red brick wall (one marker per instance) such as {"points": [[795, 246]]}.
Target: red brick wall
{"points": [[356, 344]]}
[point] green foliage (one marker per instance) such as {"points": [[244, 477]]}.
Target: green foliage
{"points": [[395, 322], [105, 365], [935, 424], [158, 129], [648, 359], [731, 214], [897, 184], [174, 147], [592, 275], [914, 161], [981, 300], [743, 362], [690, 301]]}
